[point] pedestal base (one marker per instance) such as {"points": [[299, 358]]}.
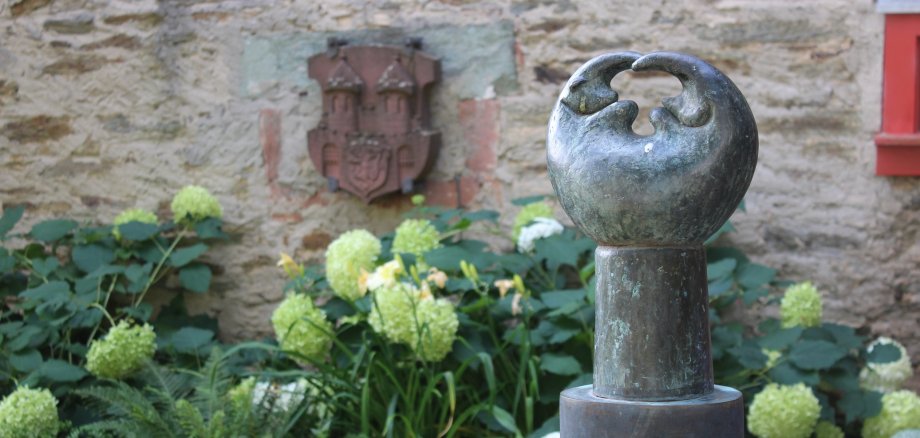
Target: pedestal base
{"points": [[584, 415]]}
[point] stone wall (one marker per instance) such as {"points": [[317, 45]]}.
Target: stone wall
{"points": [[111, 104]]}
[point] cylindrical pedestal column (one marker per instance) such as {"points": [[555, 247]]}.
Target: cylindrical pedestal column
{"points": [[652, 326], [717, 415]]}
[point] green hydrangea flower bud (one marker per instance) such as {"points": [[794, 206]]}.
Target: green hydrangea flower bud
{"points": [[528, 214], [409, 316], [784, 411], [416, 236], [346, 257], [123, 351], [393, 314], [28, 413], [900, 410], [801, 305], [888, 376], [438, 329], [828, 430], [195, 203], [302, 327], [132, 215]]}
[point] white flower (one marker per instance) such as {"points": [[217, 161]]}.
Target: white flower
{"points": [[385, 275], [278, 398], [541, 228], [886, 377], [552, 435]]}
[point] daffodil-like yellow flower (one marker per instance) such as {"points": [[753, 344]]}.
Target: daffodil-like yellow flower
{"points": [[291, 268], [469, 271], [439, 278], [503, 285], [386, 274]]}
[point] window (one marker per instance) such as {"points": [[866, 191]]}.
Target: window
{"points": [[898, 143]]}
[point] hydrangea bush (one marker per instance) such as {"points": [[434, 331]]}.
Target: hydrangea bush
{"points": [[29, 413], [124, 350]]}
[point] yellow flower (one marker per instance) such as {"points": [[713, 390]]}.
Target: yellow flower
{"points": [[503, 286], [362, 281], [425, 291], [439, 278], [291, 268], [516, 308], [385, 275]]}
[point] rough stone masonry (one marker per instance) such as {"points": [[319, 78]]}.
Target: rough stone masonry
{"points": [[106, 105]]}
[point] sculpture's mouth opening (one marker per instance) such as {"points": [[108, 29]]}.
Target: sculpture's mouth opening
{"points": [[591, 89]]}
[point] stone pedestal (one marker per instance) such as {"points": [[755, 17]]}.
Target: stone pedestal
{"points": [[716, 415]]}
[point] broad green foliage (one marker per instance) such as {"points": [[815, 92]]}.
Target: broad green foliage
{"points": [[28, 413], [69, 284]]}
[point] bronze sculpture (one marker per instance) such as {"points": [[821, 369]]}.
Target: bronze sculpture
{"points": [[650, 202]]}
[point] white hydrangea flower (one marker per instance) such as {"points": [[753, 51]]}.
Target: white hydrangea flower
{"points": [[541, 228], [889, 376], [280, 398]]}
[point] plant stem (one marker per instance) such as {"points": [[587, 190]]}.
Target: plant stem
{"points": [[156, 270]]}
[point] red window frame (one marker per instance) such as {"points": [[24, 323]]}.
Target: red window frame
{"points": [[898, 143]]}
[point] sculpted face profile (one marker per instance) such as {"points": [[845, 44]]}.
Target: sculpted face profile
{"points": [[674, 187]]}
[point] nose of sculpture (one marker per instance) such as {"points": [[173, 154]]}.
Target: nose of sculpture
{"points": [[676, 186]]}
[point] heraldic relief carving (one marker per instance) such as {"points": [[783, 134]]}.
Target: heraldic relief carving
{"points": [[375, 136]]}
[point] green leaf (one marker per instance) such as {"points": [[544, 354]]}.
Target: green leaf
{"points": [[51, 230], [26, 361], [44, 267], [860, 404], [210, 228], [195, 277], [720, 269], [10, 217], [90, 257], [815, 355], [504, 418], [787, 374], [189, 340], [883, 353], [752, 275], [481, 215], [104, 270], [844, 336], [59, 371], [184, 256], [561, 364], [557, 250], [48, 291], [528, 200], [141, 313], [557, 299], [137, 231], [752, 295], [750, 356], [780, 338]]}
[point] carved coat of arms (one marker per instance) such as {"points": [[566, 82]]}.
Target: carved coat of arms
{"points": [[375, 136]]}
